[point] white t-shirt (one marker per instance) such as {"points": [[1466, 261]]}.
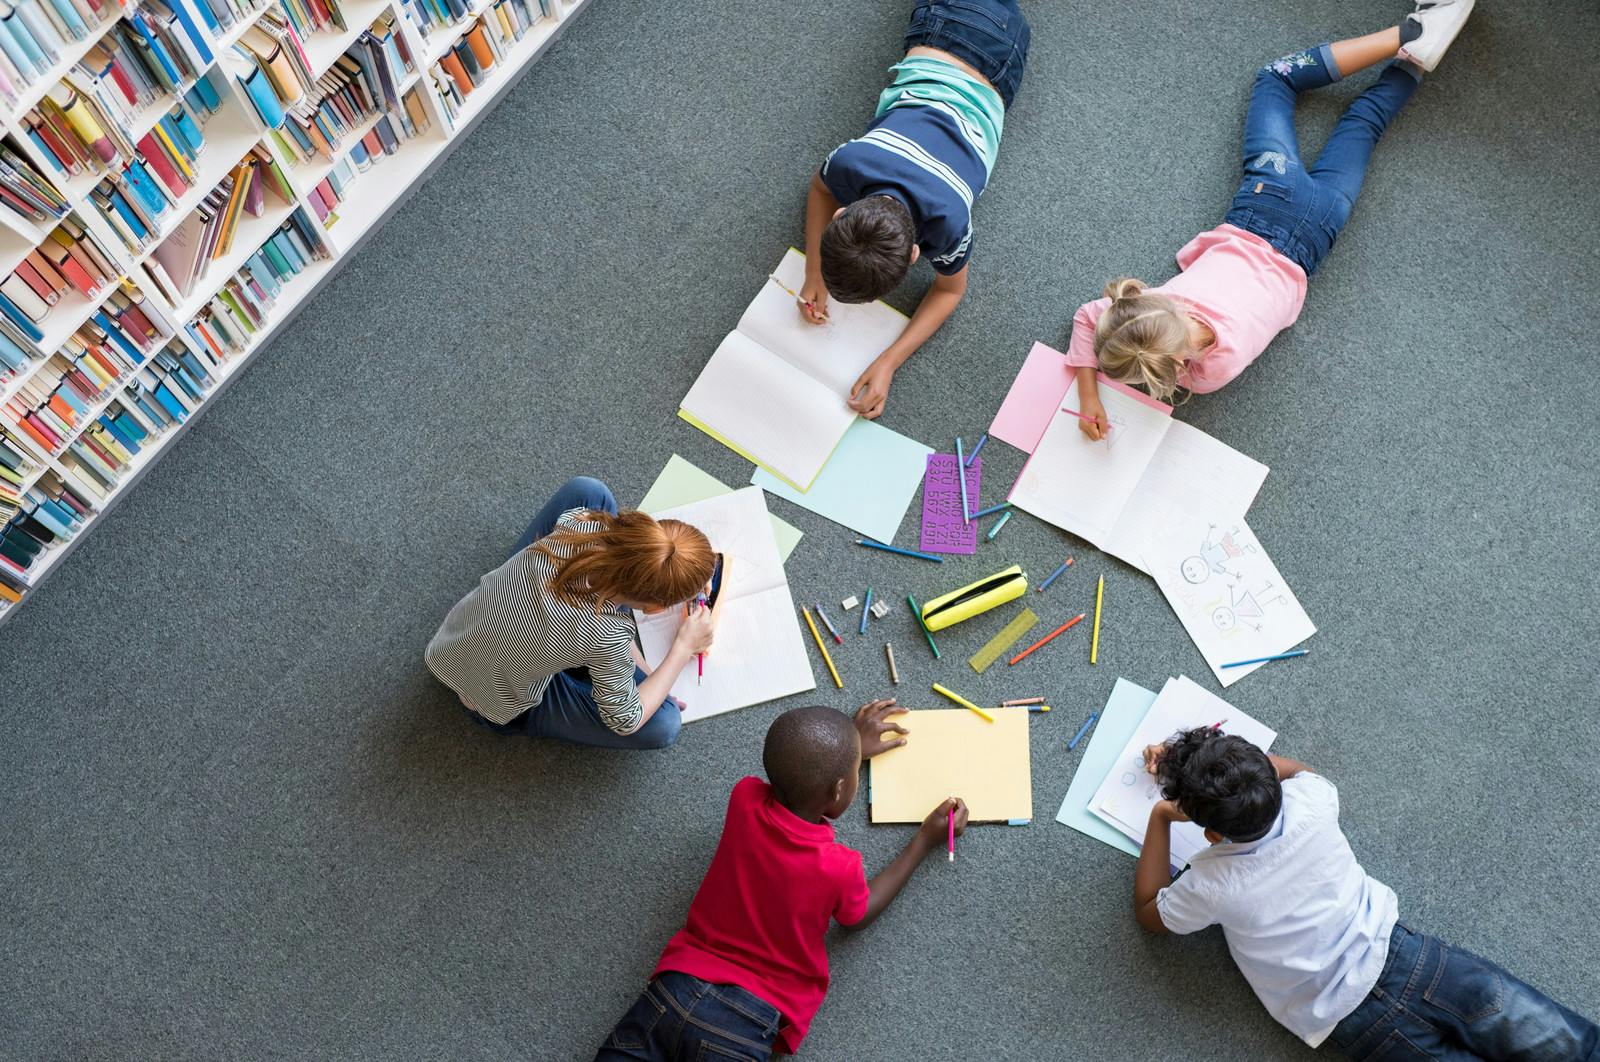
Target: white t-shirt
{"points": [[1307, 926]]}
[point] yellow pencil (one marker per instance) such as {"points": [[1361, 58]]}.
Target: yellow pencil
{"points": [[962, 701], [1094, 642], [808, 304], [826, 659]]}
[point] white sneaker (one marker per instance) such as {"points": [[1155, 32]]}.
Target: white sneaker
{"points": [[1441, 20]]}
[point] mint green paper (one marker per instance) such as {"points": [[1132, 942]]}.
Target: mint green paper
{"points": [[868, 483], [1124, 711], [682, 483]]}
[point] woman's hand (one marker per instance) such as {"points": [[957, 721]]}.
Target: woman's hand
{"points": [[697, 631]]}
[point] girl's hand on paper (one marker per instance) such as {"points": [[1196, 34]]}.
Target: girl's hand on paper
{"points": [[871, 391], [936, 827], [1089, 405], [1152, 757], [814, 299], [697, 631], [872, 722]]}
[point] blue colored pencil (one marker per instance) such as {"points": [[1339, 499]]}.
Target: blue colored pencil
{"points": [[916, 610], [826, 622], [991, 510], [975, 449], [961, 477], [995, 530], [870, 544], [1053, 575], [1082, 730], [1263, 659], [866, 610]]}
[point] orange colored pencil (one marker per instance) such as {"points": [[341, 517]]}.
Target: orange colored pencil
{"points": [[1047, 637]]}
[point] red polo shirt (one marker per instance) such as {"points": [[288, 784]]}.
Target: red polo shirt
{"points": [[759, 916]]}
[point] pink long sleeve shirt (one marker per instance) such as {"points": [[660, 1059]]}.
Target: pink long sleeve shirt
{"points": [[1232, 281]]}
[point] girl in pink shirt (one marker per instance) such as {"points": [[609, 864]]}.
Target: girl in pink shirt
{"points": [[1244, 281]]}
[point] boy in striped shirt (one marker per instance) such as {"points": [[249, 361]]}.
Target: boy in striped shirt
{"points": [[905, 188]]}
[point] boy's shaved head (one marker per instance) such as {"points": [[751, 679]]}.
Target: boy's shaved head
{"points": [[807, 751]]}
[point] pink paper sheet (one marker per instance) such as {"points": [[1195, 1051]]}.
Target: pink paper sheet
{"points": [[943, 529], [1036, 394]]}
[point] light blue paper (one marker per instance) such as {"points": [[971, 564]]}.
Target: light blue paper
{"points": [[1124, 711], [868, 483]]}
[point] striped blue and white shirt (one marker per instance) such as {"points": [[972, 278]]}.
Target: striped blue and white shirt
{"points": [[932, 146], [501, 644]]}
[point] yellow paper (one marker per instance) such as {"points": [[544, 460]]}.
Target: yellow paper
{"points": [[953, 752]]}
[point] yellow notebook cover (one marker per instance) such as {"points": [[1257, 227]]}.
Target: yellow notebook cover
{"points": [[955, 752]]}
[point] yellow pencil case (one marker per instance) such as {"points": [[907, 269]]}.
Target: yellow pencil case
{"points": [[975, 598]]}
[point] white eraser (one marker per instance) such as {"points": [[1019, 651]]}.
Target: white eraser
{"points": [[880, 609], [849, 603]]}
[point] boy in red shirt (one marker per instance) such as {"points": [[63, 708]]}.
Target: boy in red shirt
{"points": [[748, 970]]}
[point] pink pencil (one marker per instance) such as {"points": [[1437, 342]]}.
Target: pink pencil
{"points": [[1082, 416], [952, 833]]}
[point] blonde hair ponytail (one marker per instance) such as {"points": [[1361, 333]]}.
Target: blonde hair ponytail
{"points": [[1142, 338], [633, 555]]}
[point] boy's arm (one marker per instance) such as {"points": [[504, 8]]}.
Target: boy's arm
{"points": [[888, 882], [868, 394], [1286, 767], [820, 207], [1154, 871]]}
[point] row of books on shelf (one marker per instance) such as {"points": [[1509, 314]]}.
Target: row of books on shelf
{"points": [[470, 59], [271, 65], [148, 57], [52, 405], [26, 191], [33, 33], [383, 139], [433, 15], [229, 322], [360, 84], [222, 16], [207, 233], [69, 258], [49, 513]]}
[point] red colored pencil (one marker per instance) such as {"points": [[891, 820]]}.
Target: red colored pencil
{"points": [[1047, 637]]}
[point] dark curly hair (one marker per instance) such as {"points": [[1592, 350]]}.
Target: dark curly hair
{"points": [[866, 250], [1221, 782]]}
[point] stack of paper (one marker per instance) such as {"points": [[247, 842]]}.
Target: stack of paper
{"points": [[682, 482], [1111, 795], [758, 655]]}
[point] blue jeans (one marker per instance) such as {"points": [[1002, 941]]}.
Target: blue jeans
{"points": [[683, 1017], [1300, 211], [567, 710], [991, 36], [1436, 1001]]}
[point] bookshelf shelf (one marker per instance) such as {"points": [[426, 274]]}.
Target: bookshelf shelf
{"points": [[230, 135]]}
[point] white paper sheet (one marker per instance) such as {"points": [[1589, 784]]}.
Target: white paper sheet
{"points": [[1128, 792], [759, 655], [1082, 485], [1226, 590]]}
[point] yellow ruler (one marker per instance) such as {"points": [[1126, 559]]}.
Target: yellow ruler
{"points": [[1004, 640]]}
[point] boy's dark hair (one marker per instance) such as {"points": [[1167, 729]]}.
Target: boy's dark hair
{"points": [[1222, 782], [807, 750], [867, 249]]}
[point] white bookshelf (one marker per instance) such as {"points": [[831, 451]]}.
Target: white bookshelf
{"points": [[230, 134]]}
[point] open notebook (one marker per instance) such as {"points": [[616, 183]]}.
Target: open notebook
{"points": [[776, 389], [1149, 470], [1128, 791], [759, 655]]}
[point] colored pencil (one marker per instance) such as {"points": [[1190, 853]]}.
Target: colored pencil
{"points": [[961, 477], [1094, 645], [870, 544], [821, 645], [916, 610], [983, 439], [1082, 416], [1021, 701], [995, 530], [828, 623], [866, 610], [952, 813], [1082, 730], [699, 658], [1054, 575], [1263, 659], [1045, 639], [962, 701], [894, 672], [991, 510], [1038, 707], [804, 302]]}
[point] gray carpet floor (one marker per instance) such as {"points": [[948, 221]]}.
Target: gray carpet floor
{"points": [[241, 820]]}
